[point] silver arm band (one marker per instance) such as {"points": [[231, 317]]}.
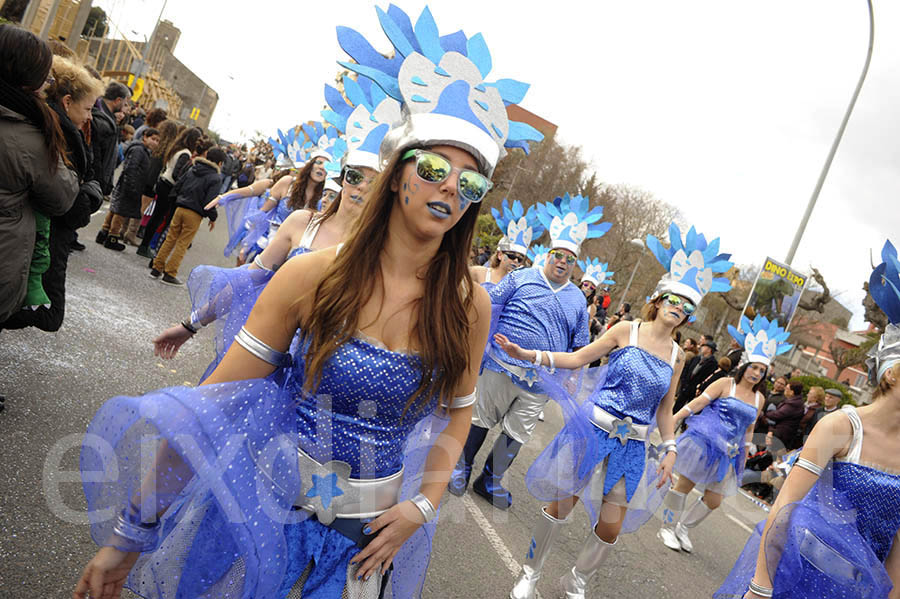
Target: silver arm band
{"points": [[537, 358], [669, 445], [760, 590], [259, 263], [425, 506], [463, 401], [195, 320], [552, 365], [809, 466], [261, 350], [135, 536]]}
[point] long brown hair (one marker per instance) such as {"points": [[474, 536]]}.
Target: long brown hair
{"points": [[187, 140], [25, 62], [442, 324], [168, 135], [297, 199]]}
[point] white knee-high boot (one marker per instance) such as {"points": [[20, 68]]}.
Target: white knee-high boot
{"points": [[673, 506], [591, 557], [543, 536], [694, 515]]}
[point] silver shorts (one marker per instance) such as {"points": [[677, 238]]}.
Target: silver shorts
{"points": [[501, 400]]}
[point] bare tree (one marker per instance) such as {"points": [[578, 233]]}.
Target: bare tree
{"points": [[847, 357], [873, 314], [817, 302]]}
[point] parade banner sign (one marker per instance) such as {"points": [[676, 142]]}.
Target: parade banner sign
{"points": [[776, 292]]}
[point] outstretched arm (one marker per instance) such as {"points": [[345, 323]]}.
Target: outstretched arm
{"points": [[714, 391], [278, 249], [254, 189], [396, 525], [614, 337]]}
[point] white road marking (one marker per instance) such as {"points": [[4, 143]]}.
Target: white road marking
{"points": [[739, 523], [493, 538]]}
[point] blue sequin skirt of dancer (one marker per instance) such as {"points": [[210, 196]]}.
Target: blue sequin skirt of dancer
{"points": [[230, 530]]}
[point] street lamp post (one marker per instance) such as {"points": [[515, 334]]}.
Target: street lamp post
{"points": [[640, 244], [834, 146]]}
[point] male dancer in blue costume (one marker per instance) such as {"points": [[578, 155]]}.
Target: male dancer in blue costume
{"points": [[535, 306]]}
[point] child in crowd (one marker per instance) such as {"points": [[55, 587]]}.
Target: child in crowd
{"points": [[197, 188], [126, 197]]}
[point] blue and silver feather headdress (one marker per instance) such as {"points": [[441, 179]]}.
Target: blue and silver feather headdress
{"points": [[571, 220], [596, 272], [440, 81], [364, 117], [884, 285], [538, 256], [519, 227], [293, 150], [691, 265], [762, 340]]}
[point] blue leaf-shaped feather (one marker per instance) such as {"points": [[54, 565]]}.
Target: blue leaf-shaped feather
{"points": [[395, 33], [479, 54], [386, 82], [401, 19], [455, 42], [429, 39], [336, 101], [511, 91], [356, 46]]}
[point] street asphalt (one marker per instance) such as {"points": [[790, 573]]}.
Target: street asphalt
{"points": [[54, 382]]}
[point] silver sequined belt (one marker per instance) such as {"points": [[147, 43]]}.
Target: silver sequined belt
{"points": [[328, 490], [622, 429]]}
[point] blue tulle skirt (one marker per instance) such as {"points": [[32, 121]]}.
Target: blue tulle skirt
{"points": [[226, 296], [237, 212], [705, 461], [815, 550], [229, 530]]}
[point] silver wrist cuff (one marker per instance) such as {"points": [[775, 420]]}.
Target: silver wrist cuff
{"points": [[259, 264], [669, 445], [195, 320], [760, 590], [136, 537], [552, 365], [261, 350], [425, 506], [537, 358]]}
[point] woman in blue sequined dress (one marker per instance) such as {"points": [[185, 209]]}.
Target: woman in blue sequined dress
{"points": [[834, 529], [601, 455], [316, 474], [713, 450]]}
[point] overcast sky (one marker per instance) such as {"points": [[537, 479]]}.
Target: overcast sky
{"points": [[725, 109]]}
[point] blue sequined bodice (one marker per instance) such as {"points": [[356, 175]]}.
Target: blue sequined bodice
{"points": [[726, 417], [875, 497], [635, 384], [361, 398]]}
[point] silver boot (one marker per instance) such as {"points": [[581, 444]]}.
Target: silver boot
{"points": [[695, 514], [591, 557], [673, 506], [545, 532]]}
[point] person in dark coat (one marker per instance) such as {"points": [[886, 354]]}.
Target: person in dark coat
{"points": [[105, 133], [735, 351], [126, 197], [784, 420], [71, 96], [703, 365], [197, 188], [721, 372], [772, 402], [33, 174]]}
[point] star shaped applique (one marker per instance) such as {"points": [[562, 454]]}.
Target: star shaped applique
{"points": [[622, 429], [325, 488], [531, 376], [733, 449]]}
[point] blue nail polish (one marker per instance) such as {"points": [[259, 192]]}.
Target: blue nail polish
{"points": [[367, 530]]}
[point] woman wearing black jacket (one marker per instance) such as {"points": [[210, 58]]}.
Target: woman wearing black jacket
{"points": [[71, 95]]}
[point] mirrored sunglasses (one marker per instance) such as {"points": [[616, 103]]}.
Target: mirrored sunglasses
{"points": [[355, 177], [675, 301], [514, 257], [557, 255], [471, 185]]}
